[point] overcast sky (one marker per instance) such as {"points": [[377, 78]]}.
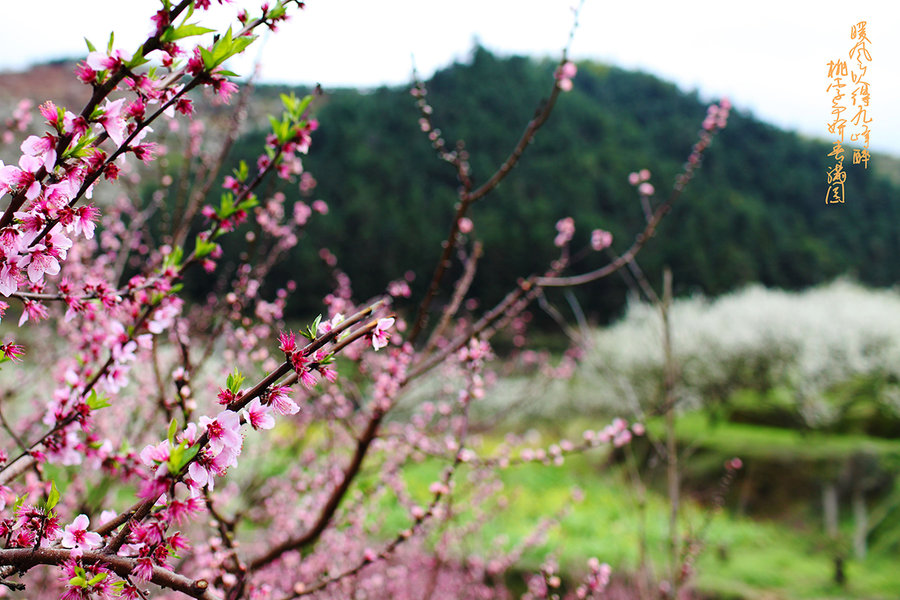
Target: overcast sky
{"points": [[768, 56]]}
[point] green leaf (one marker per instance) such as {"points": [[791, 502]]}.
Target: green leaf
{"points": [[227, 73], [301, 108], [289, 101], [249, 202], [173, 427], [312, 331], [175, 456], [52, 497], [276, 12], [168, 34], [208, 59], [189, 454], [82, 147], [275, 124], [137, 60], [78, 582], [203, 247], [172, 34], [226, 205], [242, 171], [181, 456], [224, 48], [90, 46], [96, 401], [234, 381], [173, 259], [97, 578], [109, 46]]}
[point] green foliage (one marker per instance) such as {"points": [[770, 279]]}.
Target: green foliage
{"points": [[235, 381], [224, 48]]}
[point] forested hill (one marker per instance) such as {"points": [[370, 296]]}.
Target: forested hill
{"points": [[754, 212]]}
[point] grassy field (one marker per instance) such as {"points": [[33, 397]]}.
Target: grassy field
{"points": [[802, 387], [741, 557]]}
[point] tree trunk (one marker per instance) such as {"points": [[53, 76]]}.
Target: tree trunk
{"points": [[860, 523]]}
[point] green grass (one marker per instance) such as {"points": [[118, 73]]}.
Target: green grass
{"points": [[742, 557]]}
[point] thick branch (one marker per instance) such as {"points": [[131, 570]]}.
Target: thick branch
{"points": [[24, 559]]}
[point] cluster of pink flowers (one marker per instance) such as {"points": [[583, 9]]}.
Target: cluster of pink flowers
{"points": [[565, 229], [717, 115], [564, 75], [641, 179]]}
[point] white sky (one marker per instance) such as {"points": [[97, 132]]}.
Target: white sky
{"points": [[767, 56]]}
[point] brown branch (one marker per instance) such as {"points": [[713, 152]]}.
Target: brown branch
{"points": [[331, 506], [467, 198], [462, 288], [24, 559]]}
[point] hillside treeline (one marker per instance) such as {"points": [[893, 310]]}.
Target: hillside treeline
{"points": [[755, 212]]}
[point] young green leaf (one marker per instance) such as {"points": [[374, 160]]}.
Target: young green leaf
{"points": [[234, 381], [203, 247], [173, 427], [52, 497], [96, 401]]}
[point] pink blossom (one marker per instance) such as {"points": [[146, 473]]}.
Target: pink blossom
{"points": [[302, 213], [104, 62], [12, 351], [76, 535], [566, 229], [281, 402], [9, 280], [202, 472], [224, 88], [259, 416], [49, 111], [601, 239], [646, 189], [287, 342], [465, 225], [143, 569], [380, 335], [564, 74], [113, 121], [84, 220], [43, 147], [399, 289], [307, 378], [35, 311], [21, 179], [224, 432]]}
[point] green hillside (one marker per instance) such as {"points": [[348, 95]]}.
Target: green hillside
{"points": [[754, 213]]}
